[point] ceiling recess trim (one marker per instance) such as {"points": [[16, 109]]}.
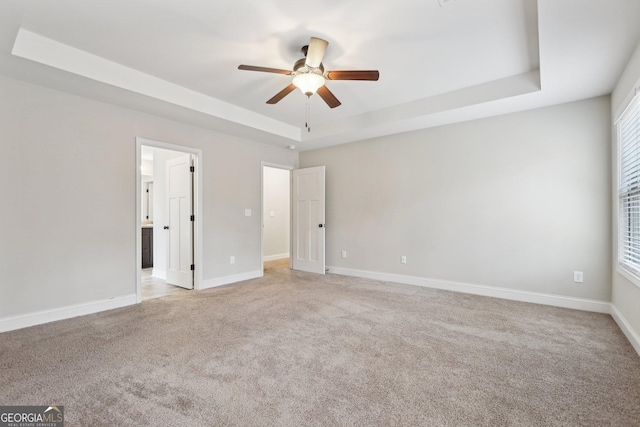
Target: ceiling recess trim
{"points": [[49, 52]]}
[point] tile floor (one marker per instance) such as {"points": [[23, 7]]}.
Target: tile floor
{"points": [[153, 287]]}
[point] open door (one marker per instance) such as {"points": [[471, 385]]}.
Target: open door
{"points": [[180, 221], [308, 198]]}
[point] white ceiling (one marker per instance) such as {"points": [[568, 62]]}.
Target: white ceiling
{"points": [[438, 64]]}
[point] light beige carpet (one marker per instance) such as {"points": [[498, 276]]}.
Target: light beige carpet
{"points": [[295, 349]]}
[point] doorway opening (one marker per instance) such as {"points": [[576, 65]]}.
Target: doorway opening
{"points": [[306, 217], [168, 190], [276, 215]]}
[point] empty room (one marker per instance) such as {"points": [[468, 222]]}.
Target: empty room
{"points": [[320, 213]]}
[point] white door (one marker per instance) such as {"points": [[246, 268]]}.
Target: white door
{"points": [[180, 224], [308, 219]]}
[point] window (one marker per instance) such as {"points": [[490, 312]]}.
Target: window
{"points": [[629, 187]]}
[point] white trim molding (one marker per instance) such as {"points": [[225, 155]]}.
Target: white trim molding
{"points": [[489, 291], [227, 280], [626, 328], [25, 320], [55, 54]]}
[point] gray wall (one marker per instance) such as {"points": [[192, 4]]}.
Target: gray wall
{"points": [[67, 181], [518, 201]]}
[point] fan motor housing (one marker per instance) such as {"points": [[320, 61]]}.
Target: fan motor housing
{"points": [[301, 67]]}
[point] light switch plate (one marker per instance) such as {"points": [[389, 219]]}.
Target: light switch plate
{"points": [[247, 212]]}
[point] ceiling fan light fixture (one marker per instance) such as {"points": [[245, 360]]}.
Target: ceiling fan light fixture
{"points": [[308, 83], [310, 77]]}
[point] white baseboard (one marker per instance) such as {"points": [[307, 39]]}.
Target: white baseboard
{"points": [[275, 257], [159, 274], [489, 291], [221, 281], [626, 328], [25, 320]]}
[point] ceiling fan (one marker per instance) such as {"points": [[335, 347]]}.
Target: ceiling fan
{"points": [[309, 74]]}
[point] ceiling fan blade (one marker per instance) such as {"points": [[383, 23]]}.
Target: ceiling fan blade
{"points": [[371, 75], [264, 69], [284, 92], [315, 52], [328, 97]]}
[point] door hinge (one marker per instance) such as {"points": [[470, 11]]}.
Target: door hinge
{"points": [[193, 217], [192, 168], [193, 267]]}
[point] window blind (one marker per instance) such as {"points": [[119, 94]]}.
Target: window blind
{"points": [[629, 187]]}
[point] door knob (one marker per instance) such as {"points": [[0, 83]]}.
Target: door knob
{"points": [[166, 227], [322, 225]]}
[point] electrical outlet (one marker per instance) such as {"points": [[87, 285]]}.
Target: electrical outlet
{"points": [[344, 254], [403, 259], [578, 276], [232, 259]]}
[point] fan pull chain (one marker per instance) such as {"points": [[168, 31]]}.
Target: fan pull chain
{"points": [[308, 118]]}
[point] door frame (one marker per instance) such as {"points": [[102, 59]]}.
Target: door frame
{"points": [[197, 198], [275, 166]]}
